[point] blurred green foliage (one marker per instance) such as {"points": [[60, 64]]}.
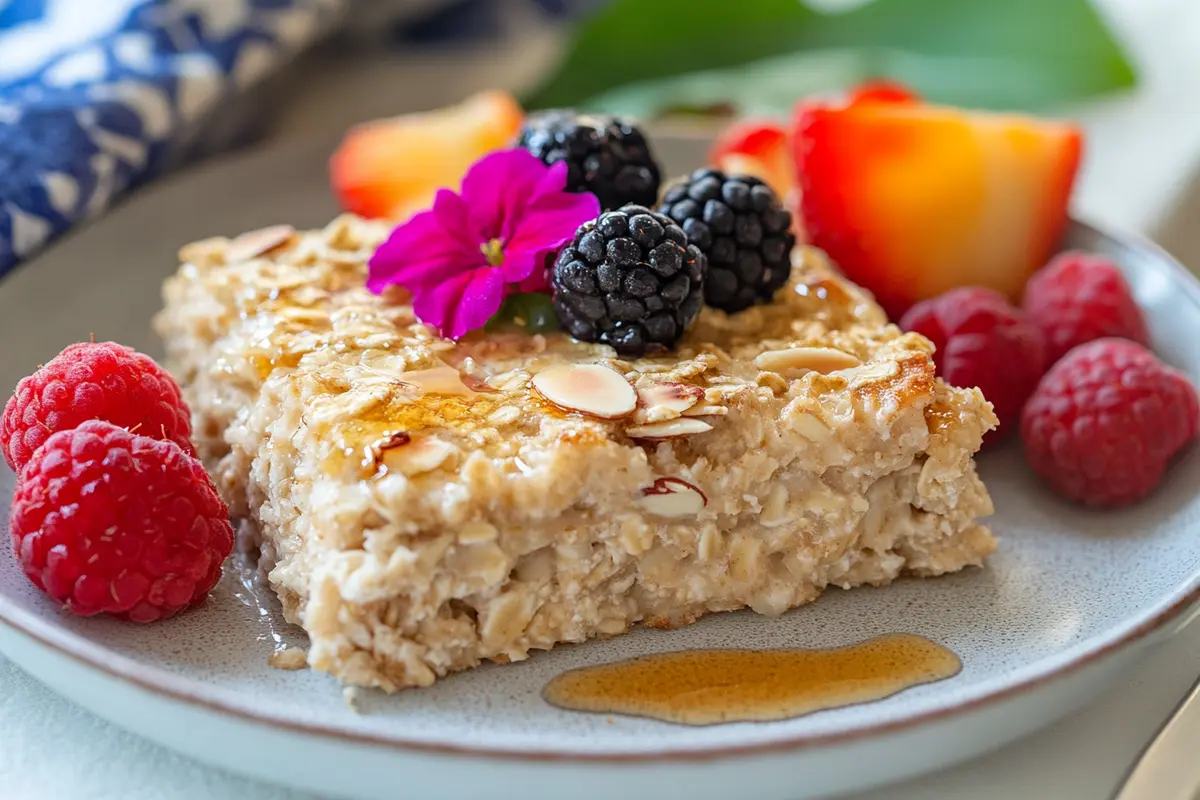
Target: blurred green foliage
{"points": [[645, 57]]}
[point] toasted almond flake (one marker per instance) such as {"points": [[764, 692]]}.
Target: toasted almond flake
{"points": [[706, 410], [505, 416], [393, 439], [416, 456], [256, 243], [513, 381], [666, 401], [811, 428], [869, 373], [672, 497], [477, 384], [793, 360], [443, 380], [590, 389], [684, 426]]}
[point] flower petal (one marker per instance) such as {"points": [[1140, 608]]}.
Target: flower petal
{"points": [[553, 182], [480, 301], [425, 275], [539, 279], [454, 216], [548, 224], [463, 303], [436, 305], [509, 195], [425, 249], [497, 188]]}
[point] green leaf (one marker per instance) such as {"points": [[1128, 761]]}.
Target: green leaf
{"points": [[1045, 51], [635, 40], [1015, 54], [531, 312], [761, 88]]}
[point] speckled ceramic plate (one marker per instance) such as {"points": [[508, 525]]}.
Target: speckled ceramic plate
{"points": [[1070, 600]]}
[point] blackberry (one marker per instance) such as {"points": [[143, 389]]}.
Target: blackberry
{"points": [[605, 156], [629, 279], [743, 229]]}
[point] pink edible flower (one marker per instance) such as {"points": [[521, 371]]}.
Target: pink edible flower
{"points": [[461, 258]]}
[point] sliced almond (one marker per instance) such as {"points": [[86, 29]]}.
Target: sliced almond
{"points": [[414, 456], [672, 497], [505, 415], [393, 439], [869, 373], [256, 243], [443, 380], [683, 426], [706, 410], [590, 389], [797, 360], [665, 401], [811, 428], [477, 384], [374, 454]]}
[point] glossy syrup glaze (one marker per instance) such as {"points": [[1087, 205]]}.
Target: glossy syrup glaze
{"points": [[705, 687], [245, 578]]}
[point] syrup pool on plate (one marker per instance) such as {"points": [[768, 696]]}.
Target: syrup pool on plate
{"points": [[704, 687], [245, 578]]}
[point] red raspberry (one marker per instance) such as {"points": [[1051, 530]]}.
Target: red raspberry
{"points": [[105, 520], [1105, 421], [982, 341], [1079, 297], [93, 381]]}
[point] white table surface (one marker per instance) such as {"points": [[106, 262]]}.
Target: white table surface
{"points": [[1142, 159]]}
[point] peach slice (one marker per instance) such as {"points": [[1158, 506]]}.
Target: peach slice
{"points": [[392, 168]]}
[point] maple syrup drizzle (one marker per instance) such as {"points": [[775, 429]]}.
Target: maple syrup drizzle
{"points": [[424, 399], [249, 585], [442, 380], [705, 687]]}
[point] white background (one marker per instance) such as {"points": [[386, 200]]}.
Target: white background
{"points": [[1142, 159]]}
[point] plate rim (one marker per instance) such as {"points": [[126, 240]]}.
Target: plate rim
{"points": [[182, 689]]}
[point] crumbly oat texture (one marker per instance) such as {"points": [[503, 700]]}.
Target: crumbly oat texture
{"points": [[428, 505]]}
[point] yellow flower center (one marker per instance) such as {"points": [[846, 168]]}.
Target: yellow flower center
{"points": [[493, 252]]}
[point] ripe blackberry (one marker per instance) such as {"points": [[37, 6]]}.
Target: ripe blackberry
{"points": [[629, 279], [605, 156], [743, 229]]}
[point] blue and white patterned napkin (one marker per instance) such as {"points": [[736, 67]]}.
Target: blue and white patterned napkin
{"points": [[97, 96]]}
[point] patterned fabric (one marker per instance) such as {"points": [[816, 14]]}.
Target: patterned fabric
{"points": [[97, 96]]}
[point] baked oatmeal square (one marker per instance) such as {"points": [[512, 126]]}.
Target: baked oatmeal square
{"points": [[423, 505]]}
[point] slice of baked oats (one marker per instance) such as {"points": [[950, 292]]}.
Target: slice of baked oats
{"points": [[428, 505]]}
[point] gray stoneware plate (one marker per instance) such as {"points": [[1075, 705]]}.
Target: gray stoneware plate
{"points": [[1071, 600]]}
